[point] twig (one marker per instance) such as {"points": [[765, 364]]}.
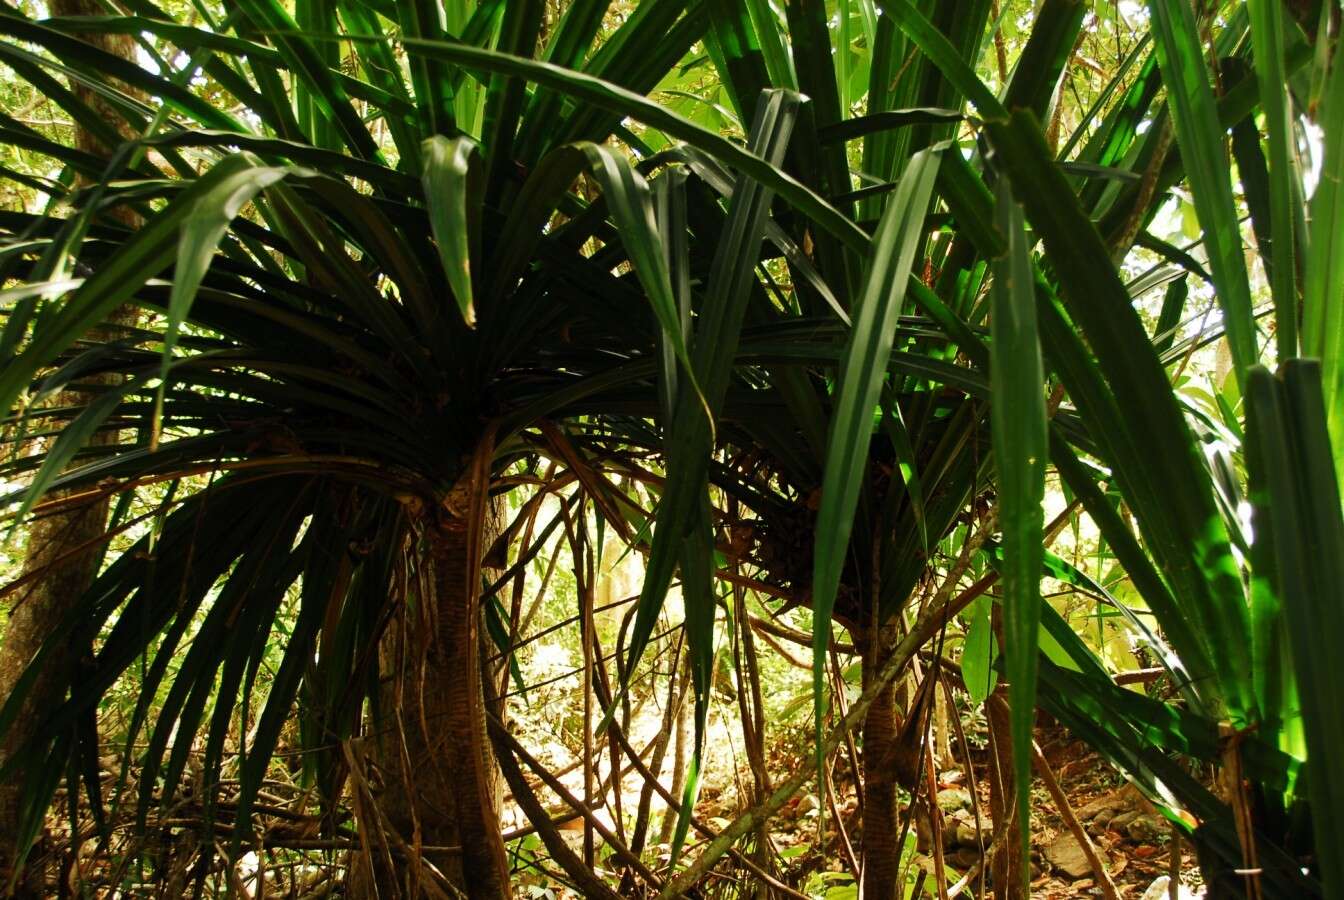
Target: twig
{"points": [[970, 770], [935, 815], [850, 858], [1235, 786], [1174, 864], [796, 637], [437, 884]]}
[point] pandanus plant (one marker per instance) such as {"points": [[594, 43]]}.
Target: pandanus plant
{"points": [[1143, 463], [359, 292], [341, 353], [366, 291]]}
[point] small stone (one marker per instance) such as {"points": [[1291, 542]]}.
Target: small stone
{"points": [[1158, 890], [967, 836], [1108, 805], [1122, 820], [806, 804], [964, 858], [1145, 829], [1066, 856], [952, 799], [1161, 889], [1094, 808]]}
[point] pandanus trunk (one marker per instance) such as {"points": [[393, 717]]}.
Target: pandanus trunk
{"points": [[439, 779], [881, 797], [679, 754], [1007, 865], [62, 547], [894, 757]]}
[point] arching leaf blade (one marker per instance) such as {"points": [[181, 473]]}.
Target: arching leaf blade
{"points": [[899, 235]]}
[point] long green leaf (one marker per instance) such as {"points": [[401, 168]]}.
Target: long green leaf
{"points": [[327, 93], [899, 235], [1322, 311], [718, 332], [1148, 441], [1045, 56], [1180, 56], [1287, 420], [1267, 37], [231, 181], [1017, 422], [941, 52], [588, 89], [453, 194], [978, 652], [196, 247], [698, 593]]}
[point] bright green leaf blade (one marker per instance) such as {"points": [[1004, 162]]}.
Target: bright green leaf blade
{"points": [[1322, 311], [1018, 427], [1287, 420], [453, 194], [978, 653], [1180, 55], [899, 236], [1147, 439], [1267, 38]]}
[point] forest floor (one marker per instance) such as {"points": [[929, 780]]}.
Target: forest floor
{"points": [[1130, 836]]}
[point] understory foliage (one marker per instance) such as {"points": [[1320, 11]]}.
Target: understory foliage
{"points": [[805, 308]]}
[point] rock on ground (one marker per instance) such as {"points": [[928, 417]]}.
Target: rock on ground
{"points": [[1066, 855], [1161, 890]]}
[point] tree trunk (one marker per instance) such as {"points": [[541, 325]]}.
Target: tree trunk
{"points": [[439, 778], [942, 733], [683, 741], [881, 795], [1007, 867], [751, 708], [46, 601], [676, 694], [52, 539]]}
